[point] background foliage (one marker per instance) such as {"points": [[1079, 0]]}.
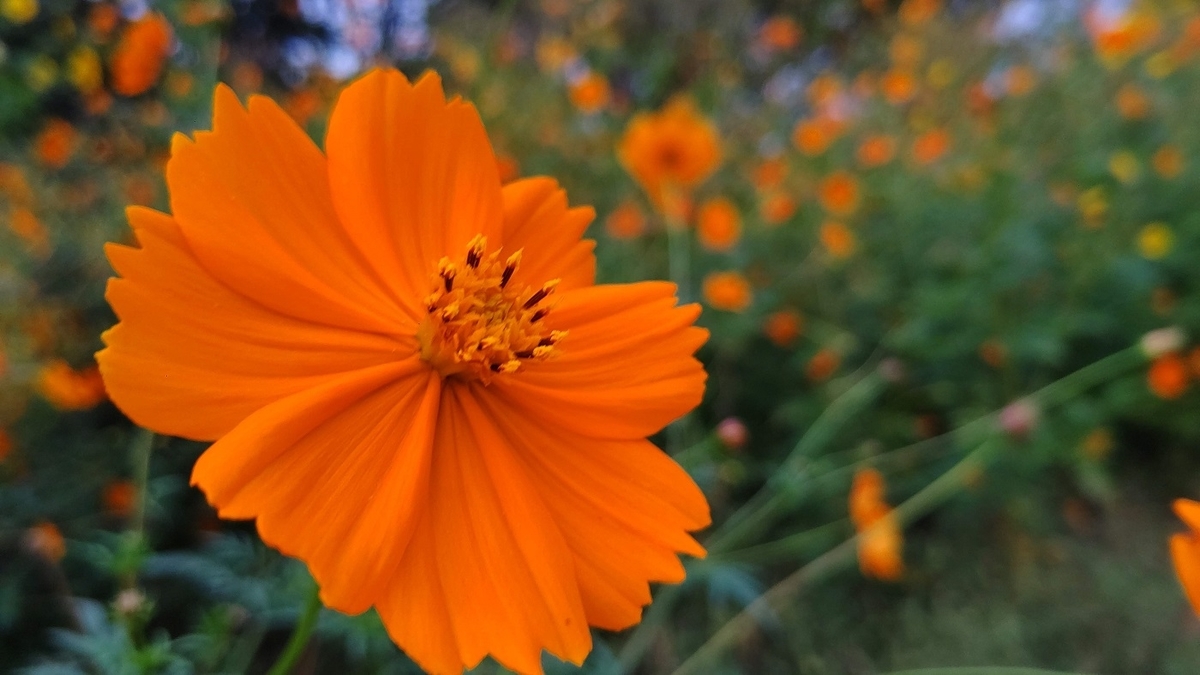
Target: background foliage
{"points": [[941, 208]]}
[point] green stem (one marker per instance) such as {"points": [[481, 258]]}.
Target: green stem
{"points": [[785, 489], [299, 640], [979, 670], [139, 456], [937, 492]]}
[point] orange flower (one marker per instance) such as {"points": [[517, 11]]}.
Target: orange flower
{"points": [[1020, 80], [46, 541], [1185, 551], [590, 93], [719, 226], [838, 239], [780, 33], [880, 540], [824, 89], [6, 445], [993, 352], [670, 151], [931, 146], [839, 193], [783, 327], [918, 12], [906, 50], [814, 136], [770, 173], [1168, 161], [69, 389], [302, 104], [727, 291], [26, 225], [898, 86], [103, 19], [139, 57], [777, 208], [823, 365], [1132, 102], [119, 497], [55, 144], [369, 336], [626, 221], [876, 150], [1168, 377]]}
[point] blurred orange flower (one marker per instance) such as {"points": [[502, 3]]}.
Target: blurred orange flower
{"points": [[823, 365], [1168, 161], [1169, 377], [876, 150], [46, 541], [6, 445], [769, 173], [1185, 551], [366, 333], [813, 136], [137, 62], [626, 221], [1132, 102], [103, 18], [931, 146], [1020, 80], [839, 193], [838, 239], [26, 225], [898, 86], [590, 93], [727, 291], [55, 145], [783, 327], [780, 33], [777, 208], [918, 12], [69, 389], [119, 497], [880, 540], [719, 225], [993, 352], [670, 151]]}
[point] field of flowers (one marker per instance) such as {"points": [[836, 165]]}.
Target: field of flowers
{"points": [[947, 255]]}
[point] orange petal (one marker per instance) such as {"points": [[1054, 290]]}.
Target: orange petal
{"points": [[171, 365], [507, 574], [336, 475], [415, 174], [1189, 512], [537, 220], [625, 369], [624, 508], [1185, 553], [252, 200]]}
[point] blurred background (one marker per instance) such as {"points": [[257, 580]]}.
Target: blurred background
{"points": [[924, 216]]}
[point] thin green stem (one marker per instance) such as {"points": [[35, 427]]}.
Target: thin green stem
{"points": [[139, 457], [299, 640], [980, 670], [782, 593]]}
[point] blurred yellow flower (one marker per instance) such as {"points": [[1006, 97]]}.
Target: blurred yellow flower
{"points": [[19, 11], [41, 73], [1093, 206], [1160, 64], [85, 70], [1155, 240], [941, 74], [1124, 166], [1097, 445]]}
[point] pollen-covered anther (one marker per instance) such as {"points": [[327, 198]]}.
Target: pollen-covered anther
{"points": [[480, 324]]}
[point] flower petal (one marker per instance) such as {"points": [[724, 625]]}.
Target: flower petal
{"points": [[1185, 553], [508, 576], [1189, 512], [252, 199], [415, 174], [336, 475], [624, 508], [169, 364], [624, 371], [536, 219]]}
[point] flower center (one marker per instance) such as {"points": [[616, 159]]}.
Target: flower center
{"points": [[479, 324]]}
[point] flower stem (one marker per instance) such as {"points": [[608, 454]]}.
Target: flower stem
{"points": [[299, 640], [139, 457]]}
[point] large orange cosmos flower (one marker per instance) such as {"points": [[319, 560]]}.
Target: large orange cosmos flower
{"points": [[1185, 550], [413, 383]]}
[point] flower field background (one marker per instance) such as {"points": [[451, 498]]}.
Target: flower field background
{"points": [[949, 255]]}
